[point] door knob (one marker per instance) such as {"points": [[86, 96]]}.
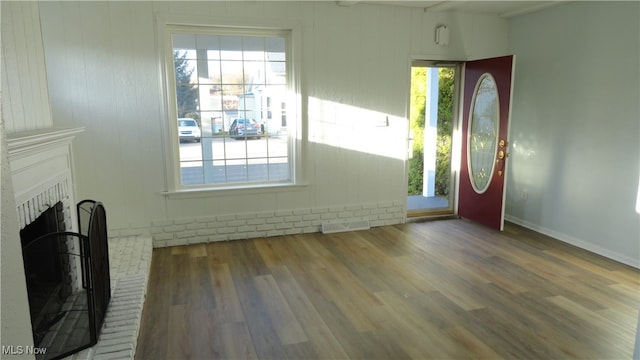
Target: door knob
{"points": [[502, 154]]}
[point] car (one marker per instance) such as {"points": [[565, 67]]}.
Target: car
{"points": [[245, 128], [188, 129]]}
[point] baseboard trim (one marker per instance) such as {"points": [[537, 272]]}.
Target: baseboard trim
{"points": [[576, 242]]}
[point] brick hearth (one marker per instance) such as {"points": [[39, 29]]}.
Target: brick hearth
{"points": [[130, 262]]}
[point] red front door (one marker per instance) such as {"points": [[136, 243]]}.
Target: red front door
{"points": [[487, 100]]}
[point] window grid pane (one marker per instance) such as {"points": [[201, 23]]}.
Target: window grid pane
{"points": [[228, 85]]}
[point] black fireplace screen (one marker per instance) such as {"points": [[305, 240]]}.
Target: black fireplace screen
{"points": [[68, 281]]}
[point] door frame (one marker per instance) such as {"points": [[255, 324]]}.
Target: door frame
{"points": [[456, 136], [458, 122]]}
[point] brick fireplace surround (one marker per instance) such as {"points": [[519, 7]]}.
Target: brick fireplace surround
{"points": [[42, 174]]}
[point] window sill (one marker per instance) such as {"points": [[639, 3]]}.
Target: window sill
{"points": [[232, 190]]}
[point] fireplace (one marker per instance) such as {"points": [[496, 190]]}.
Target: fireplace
{"points": [[68, 280], [57, 268], [66, 314], [42, 175]]}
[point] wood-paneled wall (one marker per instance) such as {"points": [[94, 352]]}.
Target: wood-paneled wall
{"points": [[104, 74], [25, 98]]}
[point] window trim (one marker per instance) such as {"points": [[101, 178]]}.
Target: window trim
{"points": [[193, 24]]}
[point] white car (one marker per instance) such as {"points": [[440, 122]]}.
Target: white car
{"points": [[188, 129]]}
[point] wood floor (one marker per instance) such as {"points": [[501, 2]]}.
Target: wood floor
{"points": [[434, 290]]}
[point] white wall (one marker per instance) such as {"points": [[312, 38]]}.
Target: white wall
{"points": [[575, 125], [103, 75], [25, 106], [25, 101]]}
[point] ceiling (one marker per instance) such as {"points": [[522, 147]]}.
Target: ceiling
{"points": [[505, 9]]}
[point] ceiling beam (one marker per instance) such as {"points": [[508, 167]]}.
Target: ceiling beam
{"points": [[530, 9], [441, 6]]}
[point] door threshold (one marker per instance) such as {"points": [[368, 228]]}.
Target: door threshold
{"points": [[429, 213], [431, 217]]}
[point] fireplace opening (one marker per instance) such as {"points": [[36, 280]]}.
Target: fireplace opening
{"points": [[47, 287], [67, 276]]}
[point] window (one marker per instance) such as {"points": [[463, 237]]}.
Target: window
{"points": [[224, 80]]}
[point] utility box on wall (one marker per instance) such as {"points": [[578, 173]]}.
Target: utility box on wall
{"points": [[442, 35]]}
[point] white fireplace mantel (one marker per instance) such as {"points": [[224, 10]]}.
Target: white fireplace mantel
{"points": [[41, 170], [22, 143]]}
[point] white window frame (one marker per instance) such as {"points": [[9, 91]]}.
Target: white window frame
{"points": [[204, 25]]}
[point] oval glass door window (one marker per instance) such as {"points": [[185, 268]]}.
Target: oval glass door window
{"points": [[483, 133]]}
